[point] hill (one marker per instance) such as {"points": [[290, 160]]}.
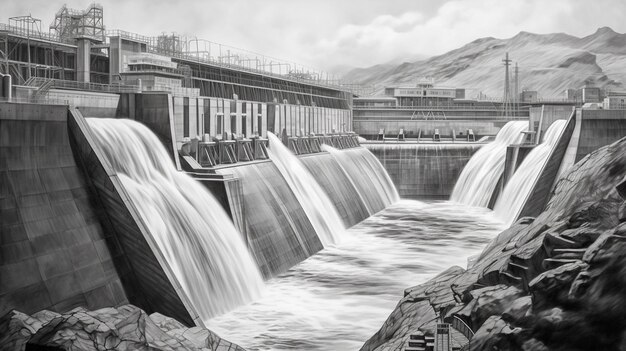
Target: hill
{"points": [[548, 63]]}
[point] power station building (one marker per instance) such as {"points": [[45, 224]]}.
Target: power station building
{"points": [[213, 89]]}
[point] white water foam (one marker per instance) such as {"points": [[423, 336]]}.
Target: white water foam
{"points": [[480, 176], [517, 189], [196, 236], [316, 204]]}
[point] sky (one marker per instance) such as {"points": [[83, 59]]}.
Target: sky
{"points": [[333, 35]]}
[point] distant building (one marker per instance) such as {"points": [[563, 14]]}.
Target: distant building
{"points": [[424, 94], [529, 96], [591, 94], [615, 101]]}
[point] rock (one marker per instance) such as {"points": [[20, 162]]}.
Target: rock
{"points": [[534, 345], [495, 334], [123, 328], [16, 328], [518, 309], [583, 235], [487, 302], [553, 286], [621, 214], [406, 319]]}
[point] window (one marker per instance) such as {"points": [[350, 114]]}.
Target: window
{"points": [[185, 117], [207, 116]]}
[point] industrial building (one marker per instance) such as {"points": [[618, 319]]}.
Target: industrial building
{"points": [[214, 89]]}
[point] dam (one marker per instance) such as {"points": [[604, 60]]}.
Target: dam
{"points": [[240, 200]]}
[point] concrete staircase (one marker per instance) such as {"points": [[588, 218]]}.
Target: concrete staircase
{"points": [[420, 342]]}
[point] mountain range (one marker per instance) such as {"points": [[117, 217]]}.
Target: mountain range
{"points": [[548, 63]]}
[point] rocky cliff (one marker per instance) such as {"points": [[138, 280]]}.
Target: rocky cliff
{"points": [[548, 63], [555, 282], [123, 328]]}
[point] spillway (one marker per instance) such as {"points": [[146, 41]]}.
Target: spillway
{"points": [[319, 208], [482, 173], [368, 176], [197, 238], [278, 230], [518, 188]]}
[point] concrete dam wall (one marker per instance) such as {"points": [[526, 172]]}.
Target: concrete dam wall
{"points": [[424, 171], [147, 277], [54, 252], [277, 230], [338, 186]]}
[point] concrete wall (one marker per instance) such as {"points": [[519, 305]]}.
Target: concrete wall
{"points": [[542, 117], [90, 104], [542, 190], [337, 186], [54, 253], [156, 111], [369, 128], [147, 278], [424, 171], [599, 128], [278, 232]]}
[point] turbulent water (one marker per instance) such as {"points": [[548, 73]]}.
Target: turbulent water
{"points": [[517, 189], [480, 176], [339, 297], [368, 176], [316, 204], [198, 239]]}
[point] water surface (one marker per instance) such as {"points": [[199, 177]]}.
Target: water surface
{"points": [[338, 298]]}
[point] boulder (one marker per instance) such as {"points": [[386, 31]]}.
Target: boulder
{"points": [[495, 334], [488, 301], [123, 328], [553, 286]]}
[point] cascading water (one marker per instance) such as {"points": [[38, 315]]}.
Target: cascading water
{"points": [[516, 191], [318, 207], [368, 176], [480, 176], [197, 238]]}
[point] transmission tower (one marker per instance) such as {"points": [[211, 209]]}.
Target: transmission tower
{"points": [[506, 102]]}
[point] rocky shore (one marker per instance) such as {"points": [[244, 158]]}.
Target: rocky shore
{"points": [[123, 328], [555, 282]]}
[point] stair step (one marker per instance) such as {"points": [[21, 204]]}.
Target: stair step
{"points": [[416, 337], [517, 265], [512, 277], [417, 343], [555, 241], [414, 349], [550, 263]]}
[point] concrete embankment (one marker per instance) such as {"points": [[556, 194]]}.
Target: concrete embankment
{"points": [[424, 171]]}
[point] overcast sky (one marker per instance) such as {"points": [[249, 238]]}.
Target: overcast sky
{"points": [[326, 34]]}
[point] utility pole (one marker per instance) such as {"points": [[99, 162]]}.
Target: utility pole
{"points": [[517, 97], [506, 102]]}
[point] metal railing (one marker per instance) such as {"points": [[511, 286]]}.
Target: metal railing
{"points": [[34, 34], [83, 86], [462, 327], [34, 100], [232, 57]]}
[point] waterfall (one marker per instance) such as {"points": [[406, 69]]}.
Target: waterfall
{"points": [[518, 188], [482, 173], [318, 207], [195, 235], [368, 176]]}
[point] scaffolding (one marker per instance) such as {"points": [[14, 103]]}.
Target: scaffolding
{"points": [[70, 24]]}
